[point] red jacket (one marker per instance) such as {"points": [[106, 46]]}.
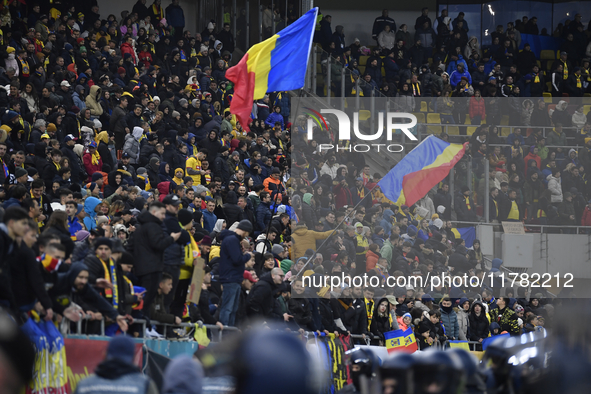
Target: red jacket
{"points": [[477, 108], [342, 196], [126, 48], [146, 58], [586, 219], [90, 168], [371, 260], [536, 158]]}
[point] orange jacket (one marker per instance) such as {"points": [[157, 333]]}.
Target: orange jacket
{"points": [[371, 260]]}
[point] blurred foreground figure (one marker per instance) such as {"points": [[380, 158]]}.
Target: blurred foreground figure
{"points": [[118, 372], [362, 366], [17, 357]]}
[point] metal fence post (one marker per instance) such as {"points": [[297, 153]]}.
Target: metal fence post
{"points": [[486, 195], [247, 25], [357, 94], [451, 186], [372, 110], [328, 77], [343, 76], [314, 69]]}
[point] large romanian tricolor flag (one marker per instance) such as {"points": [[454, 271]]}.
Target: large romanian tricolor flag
{"points": [[276, 64], [425, 166]]}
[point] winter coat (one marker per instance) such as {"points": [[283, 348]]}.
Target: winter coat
{"points": [[132, 145], [92, 101], [463, 323], [148, 243], [306, 239], [555, 187], [478, 324], [231, 262], [506, 319], [450, 322], [261, 299]]}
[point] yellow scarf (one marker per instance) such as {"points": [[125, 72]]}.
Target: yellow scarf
{"points": [[158, 11], [578, 77], [95, 158], [467, 198], [537, 78], [416, 89], [565, 72]]}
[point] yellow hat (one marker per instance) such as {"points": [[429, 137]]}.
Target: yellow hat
{"points": [[9, 49], [45, 136]]}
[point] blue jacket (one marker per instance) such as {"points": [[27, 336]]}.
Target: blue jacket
{"points": [[450, 323], [175, 16], [10, 202], [89, 205], [209, 219], [231, 263], [264, 215], [386, 223], [74, 226], [456, 76], [453, 65], [274, 117]]}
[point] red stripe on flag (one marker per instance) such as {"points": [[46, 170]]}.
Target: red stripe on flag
{"points": [[416, 184], [244, 82]]}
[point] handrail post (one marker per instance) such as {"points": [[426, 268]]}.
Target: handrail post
{"points": [[328, 77]]}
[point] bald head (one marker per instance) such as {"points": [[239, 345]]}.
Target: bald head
{"points": [[277, 275]]}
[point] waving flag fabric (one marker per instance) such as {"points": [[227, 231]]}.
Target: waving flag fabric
{"points": [[468, 234], [276, 64], [426, 165]]}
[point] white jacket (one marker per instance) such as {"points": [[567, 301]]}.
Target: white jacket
{"points": [[555, 187]]}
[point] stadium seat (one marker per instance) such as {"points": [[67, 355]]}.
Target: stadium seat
{"points": [[453, 130], [471, 130], [363, 60], [505, 131], [467, 120], [364, 115], [362, 70], [434, 129], [420, 117], [505, 120], [547, 54], [424, 106], [586, 109], [547, 97], [558, 54], [433, 118]]}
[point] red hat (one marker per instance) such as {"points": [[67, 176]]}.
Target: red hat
{"points": [[248, 275], [120, 70], [79, 40], [206, 241]]}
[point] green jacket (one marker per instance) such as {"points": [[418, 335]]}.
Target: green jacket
{"points": [[387, 251], [506, 319]]}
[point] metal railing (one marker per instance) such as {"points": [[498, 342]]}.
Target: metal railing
{"points": [[144, 325], [582, 230]]}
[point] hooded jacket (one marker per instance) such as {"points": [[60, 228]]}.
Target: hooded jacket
{"points": [[183, 375], [132, 144], [556, 189], [261, 299], [479, 325], [89, 206], [148, 244], [92, 101], [232, 261]]}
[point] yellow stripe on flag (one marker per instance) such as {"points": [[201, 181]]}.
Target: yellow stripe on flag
{"points": [[259, 63]]}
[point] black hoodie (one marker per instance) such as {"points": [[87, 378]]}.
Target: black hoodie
{"points": [[148, 244]]}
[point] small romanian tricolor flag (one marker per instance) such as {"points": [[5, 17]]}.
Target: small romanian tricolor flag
{"points": [[401, 341]]}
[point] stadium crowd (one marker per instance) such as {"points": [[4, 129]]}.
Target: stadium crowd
{"points": [[123, 166], [442, 59]]}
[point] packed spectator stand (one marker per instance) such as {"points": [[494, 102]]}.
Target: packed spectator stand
{"points": [[124, 168]]}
